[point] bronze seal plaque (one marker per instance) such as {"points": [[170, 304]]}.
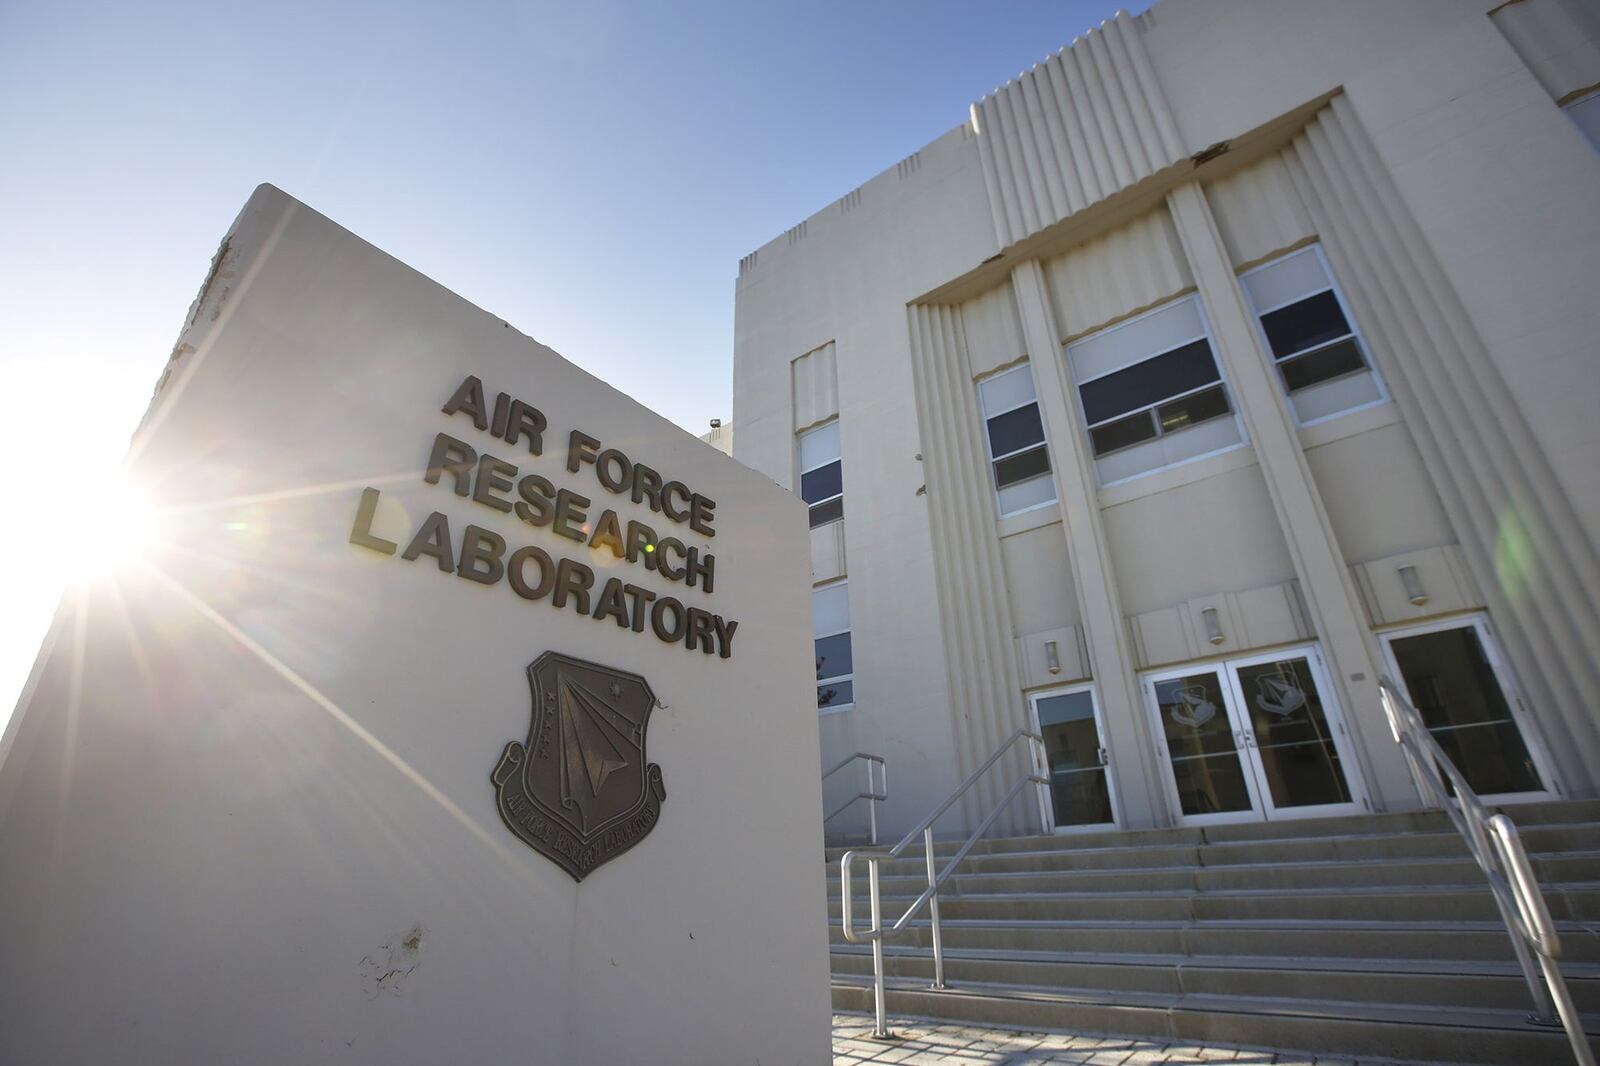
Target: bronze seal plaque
{"points": [[580, 792]]}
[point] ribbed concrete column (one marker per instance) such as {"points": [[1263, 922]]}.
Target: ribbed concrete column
{"points": [[1139, 792], [980, 655], [1325, 578]]}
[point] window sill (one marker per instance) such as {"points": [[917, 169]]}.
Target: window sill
{"points": [[823, 712], [1187, 472], [1044, 514], [1349, 423]]}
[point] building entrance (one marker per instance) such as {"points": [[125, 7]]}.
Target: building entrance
{"points": [[1080, 793], [1453, 674], [1251, 738]]}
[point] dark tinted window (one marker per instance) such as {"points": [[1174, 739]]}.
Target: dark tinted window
{"points": [[1153, 380], [1120, 434], [1305, 324], [1461, 702], [1330, 362], [1015, 429], [822, 482], [1021, 467], [833, 656], [1192, 410], [823, 513], [836, 694]]}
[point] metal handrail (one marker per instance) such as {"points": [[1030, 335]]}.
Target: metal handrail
{"points": [[930, 896], [1498, 850], [877, 791]]}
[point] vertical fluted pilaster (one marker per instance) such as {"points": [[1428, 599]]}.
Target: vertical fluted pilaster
{"points": [[1085, 123], [1494, 481], [975, 616]]}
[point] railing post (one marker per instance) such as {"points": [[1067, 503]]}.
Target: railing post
{"points": [[1039, 758], [880, 1012], [933, 910], [872, 804], [1543, 1009], [1534, 924]]}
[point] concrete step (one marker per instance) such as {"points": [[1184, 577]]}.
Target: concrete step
{"points": [[1524, 814], [1438, 1034], [1348, 847], [1417, 981], [1255, 937], [1373, 935], [1428, 903], [1552, 869]]}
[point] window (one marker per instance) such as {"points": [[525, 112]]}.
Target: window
{"points": [[1321, 362], [1147, 386], [830, 613], [1014, 435], [1585, 114], [822, 474]]}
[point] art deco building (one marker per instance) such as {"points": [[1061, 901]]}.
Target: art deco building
{"points": [[1231, 358]]}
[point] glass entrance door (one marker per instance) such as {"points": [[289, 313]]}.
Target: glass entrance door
{"points": [[1254, 738], [1204, 749], [1450, 672], [1080, 786]]}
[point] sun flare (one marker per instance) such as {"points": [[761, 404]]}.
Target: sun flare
{"points": [[128, 531]]}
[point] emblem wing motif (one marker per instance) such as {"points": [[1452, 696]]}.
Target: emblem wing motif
{"points": [[1277, 696], [1193, 709], [593, 735]]}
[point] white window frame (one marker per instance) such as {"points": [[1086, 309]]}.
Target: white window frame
{"points": [[988, 447], [1222, 380], [1533, 737], [1046, 806], [1350, 320], [800, 479], [849, 629]]}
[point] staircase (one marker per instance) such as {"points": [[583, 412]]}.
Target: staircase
{"points": [[1371, 935]]}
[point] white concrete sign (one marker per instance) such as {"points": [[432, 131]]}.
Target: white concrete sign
{"points": [[459, 709]]}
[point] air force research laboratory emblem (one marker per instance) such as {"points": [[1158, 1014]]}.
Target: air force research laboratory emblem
{"points": [[580, 792]]}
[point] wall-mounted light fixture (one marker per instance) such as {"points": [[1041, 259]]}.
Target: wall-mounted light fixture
{"points": [[1213, 625], [1414, 590], [1052, 657]]}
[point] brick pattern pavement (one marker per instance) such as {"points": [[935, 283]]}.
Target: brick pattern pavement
{"points": [[927, 1043]]}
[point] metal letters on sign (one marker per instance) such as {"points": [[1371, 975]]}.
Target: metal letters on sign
{"points": [[580, 791]]}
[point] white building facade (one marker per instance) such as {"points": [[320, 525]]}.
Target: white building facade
{"points": [[1234, 357]]}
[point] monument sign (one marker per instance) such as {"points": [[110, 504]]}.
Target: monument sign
{"points": [[350, 764]]}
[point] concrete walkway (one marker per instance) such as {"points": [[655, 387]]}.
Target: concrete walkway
{"points": [[962, 1045]]}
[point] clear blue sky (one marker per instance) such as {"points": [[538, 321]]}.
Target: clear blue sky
{"points": [[591, 172]]}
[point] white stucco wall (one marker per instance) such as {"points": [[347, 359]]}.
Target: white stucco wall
{"points": [[1454, 204]]}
